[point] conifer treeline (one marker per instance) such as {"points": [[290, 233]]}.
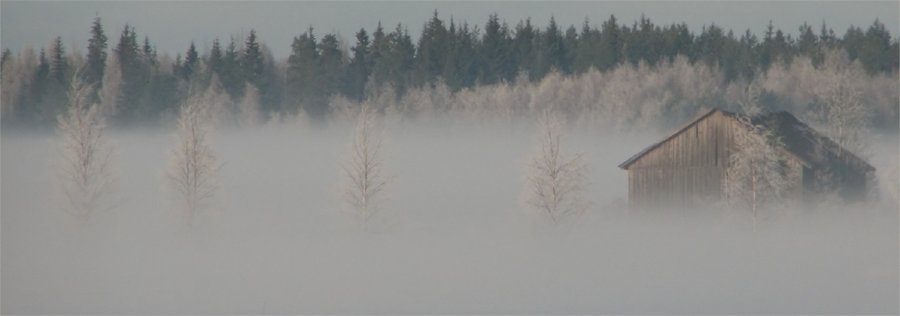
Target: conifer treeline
{"points": [[134, 83]]}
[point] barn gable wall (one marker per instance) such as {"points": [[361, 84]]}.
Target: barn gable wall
{"points": [[687, 166]]}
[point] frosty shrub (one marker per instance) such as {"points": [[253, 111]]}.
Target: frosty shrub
{"points": [[756, 174], [363, 171], [85, 175], [555, 183], [193, 168]]}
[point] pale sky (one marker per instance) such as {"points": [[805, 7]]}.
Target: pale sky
{"points": [[171, 26]]}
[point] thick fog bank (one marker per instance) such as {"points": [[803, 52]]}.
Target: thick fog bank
{"points": [[453, 235]]}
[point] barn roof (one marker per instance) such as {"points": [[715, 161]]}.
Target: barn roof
{"points": [[806, 143], [678, 131], [800, 140]]}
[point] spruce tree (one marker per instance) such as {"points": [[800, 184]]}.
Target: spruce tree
{"points": [[330, 70], [148, 52], [301, 71], [96, 54], [56, 94], [134, 75], [191, 61], [42, 72], [215, 57], [827, 37], [59, 64], [252, 60], [360, 67], [852, 41], [461, 68], [495, 52], [610, 44], [230, 75], [380, 49], [449, 72], [782, 47], [570, 48], [393, 57], [550, 52], [523, 44], [402, 58], [748, 60], [588, 50], [432, 51], [767, 47], [877, 53], [808, 44], [34, 110], [710, 44]]}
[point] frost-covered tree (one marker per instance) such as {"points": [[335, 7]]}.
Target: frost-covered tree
{"points": [[193, 167], [364, 170], [18, 72], [748, 100], [249, 109], [555, 183], [842, 110], [218, 105], [111, 90], [756, 174], [85, 174]]}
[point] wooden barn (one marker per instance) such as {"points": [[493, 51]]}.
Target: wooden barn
{"points": [[688, 167]]}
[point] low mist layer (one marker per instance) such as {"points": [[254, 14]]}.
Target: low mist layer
{"points": [[453, 235]]}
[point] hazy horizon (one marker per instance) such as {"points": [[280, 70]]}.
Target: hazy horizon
{"points": [[453, 236], [171, 26]]}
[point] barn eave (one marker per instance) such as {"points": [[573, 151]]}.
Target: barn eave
{"points": [[627, 163]]}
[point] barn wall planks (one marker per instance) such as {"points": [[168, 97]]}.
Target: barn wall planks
{"points": [[686, 167], [690, 167]]}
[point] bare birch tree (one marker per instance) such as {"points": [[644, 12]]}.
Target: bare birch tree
{"points": [[85, 174], [364, 171], [756, 175], [840, 97], [555, 183], [193, 168]]}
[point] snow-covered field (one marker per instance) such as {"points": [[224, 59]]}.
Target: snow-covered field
{"points": [[454, 236]]}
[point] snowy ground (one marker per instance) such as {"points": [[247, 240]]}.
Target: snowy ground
{"points": [[453, 238]]}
